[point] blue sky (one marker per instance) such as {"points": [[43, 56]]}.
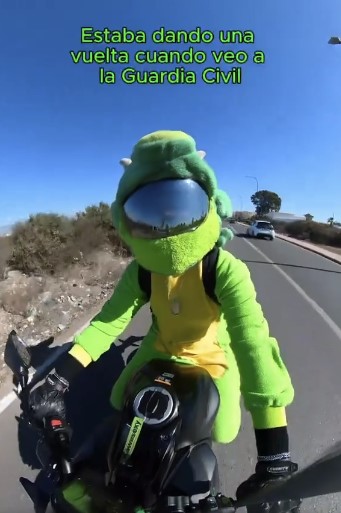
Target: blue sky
{"points": [[62, 133]]}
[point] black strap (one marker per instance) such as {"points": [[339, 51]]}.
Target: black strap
{"points": [[145, 281], [208, 276]]}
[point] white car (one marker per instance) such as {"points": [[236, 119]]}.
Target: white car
{"points": [[261, 230]]}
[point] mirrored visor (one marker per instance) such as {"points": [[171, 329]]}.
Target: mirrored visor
{"points": [[166, 208]]}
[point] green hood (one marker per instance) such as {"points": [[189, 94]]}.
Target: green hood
{"points": [[165, 155]]}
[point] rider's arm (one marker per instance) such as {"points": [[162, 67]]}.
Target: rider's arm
{"points": [[107, 325], [265, 382]]}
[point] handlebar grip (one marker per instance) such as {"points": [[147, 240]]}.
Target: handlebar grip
{"points": [[57, 428], [58, 433]]}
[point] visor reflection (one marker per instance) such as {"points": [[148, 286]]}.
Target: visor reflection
{"points": [[166, 208]]}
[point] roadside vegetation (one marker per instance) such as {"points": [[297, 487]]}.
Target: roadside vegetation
{"points": [[317, 233], [54, 271], [326, 234], [49, 243], [5, 253]]}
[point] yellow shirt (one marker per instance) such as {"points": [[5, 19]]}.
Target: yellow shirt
{"points": [[187, 320]]}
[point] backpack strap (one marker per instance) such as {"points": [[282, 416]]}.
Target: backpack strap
{"points": [[209, 277], [145, 281]]}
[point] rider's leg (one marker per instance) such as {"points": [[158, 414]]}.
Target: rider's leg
{"points": [[145, 354], [72, 498]]}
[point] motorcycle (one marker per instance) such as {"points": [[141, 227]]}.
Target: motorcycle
{"points": [[160, 456]]}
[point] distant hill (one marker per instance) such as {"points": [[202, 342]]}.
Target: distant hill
{"points": [[6, 230]]}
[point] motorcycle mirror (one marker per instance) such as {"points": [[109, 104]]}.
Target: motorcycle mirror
{"points": [[17, 355]]}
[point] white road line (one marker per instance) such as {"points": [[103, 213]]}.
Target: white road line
{"points": [[332, 325], [6, 401]]}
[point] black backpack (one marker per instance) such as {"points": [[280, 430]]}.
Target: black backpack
{"points": [[208, 274]]}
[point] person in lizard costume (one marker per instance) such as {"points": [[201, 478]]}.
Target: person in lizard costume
{"points": [[169, 211]]}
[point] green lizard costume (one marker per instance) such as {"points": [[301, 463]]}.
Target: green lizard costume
{"points": [[230, 339]]}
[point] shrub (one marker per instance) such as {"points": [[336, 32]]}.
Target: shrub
{"points": [[5, 252], [47, 243], [321, 234], [280, 226], [99, 219], [99, 215], [315, 232], [38, 243], [87, 235], [336, 239], [296, 228]]}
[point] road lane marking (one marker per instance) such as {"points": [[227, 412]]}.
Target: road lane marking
{"points": [[328, 320], [6, 401]]}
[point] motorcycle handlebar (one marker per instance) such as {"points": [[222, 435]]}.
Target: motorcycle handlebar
{"points": [[57, 435], [55, 431]]}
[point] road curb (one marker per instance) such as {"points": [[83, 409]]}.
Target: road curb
{"points": [[308, 248]]}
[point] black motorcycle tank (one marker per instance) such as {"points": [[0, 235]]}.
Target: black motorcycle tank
{"points": [[169, 409], [194, 474], [188, 389]]}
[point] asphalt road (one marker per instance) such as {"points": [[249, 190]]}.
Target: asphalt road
{"points": [[301, 296]]}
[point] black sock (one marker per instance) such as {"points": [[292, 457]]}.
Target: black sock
{"points": [[272, 443]]}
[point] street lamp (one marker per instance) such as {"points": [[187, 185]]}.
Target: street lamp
{"points": [[334, 40], [253, 178]]}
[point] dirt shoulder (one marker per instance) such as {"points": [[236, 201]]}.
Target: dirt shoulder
{"points": [[332, 249], [40, 307]]}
